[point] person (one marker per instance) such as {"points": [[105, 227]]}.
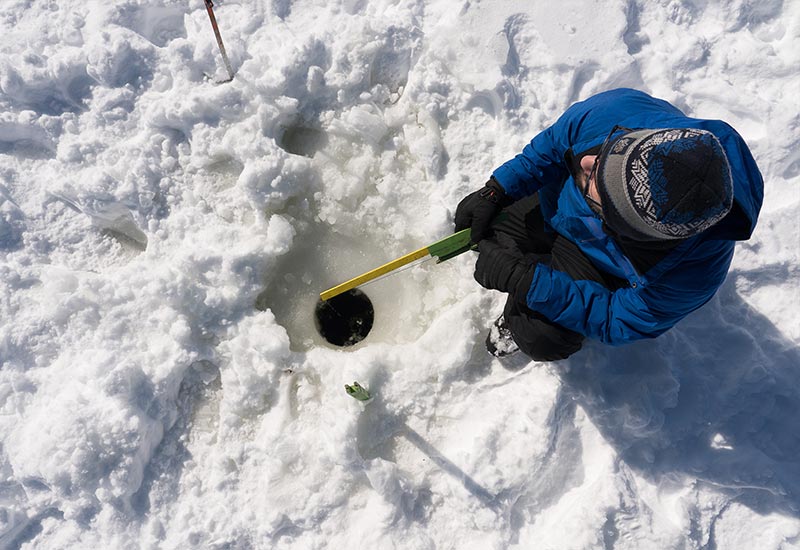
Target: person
{"points": [[614, 224]]}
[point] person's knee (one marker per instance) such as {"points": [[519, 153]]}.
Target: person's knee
{"points": [[542, 341], [549, 353]]}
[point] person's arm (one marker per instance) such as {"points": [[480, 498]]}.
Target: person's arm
{"points": [[542, 161], [629, 314]]}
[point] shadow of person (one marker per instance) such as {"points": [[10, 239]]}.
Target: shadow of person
{"points": [[716, 399]]}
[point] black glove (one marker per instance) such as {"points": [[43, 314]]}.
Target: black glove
{"points": [[504, 269], [478, 209]]}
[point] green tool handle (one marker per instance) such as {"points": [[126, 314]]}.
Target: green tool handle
{"points": [[442, 250], [451, 246], [457, 243]]}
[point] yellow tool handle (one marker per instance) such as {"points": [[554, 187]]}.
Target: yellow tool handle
{"points": [[375, 273]]}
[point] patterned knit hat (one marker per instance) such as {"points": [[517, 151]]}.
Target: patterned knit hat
{"points": [[665, 184]]}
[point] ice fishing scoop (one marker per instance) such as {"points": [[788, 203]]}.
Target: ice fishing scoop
{"points": [[344, 314], [442, 250]]}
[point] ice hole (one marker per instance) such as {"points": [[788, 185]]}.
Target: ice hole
{"points": [[346, 319], [321, 259]]}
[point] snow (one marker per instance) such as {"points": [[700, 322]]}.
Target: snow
{"points": [[164, 238]]}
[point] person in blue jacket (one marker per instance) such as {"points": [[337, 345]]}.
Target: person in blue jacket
{"points": [[618, 221]]}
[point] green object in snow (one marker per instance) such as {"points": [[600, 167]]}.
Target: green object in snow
{"points": [[357, 391]]}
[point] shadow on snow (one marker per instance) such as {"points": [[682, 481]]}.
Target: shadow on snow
{"points": [[717, 399]]}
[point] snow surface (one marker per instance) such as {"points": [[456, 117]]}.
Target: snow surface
{"points": [[164, 239]]}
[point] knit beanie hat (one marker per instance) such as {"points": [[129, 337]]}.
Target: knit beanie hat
{"points": [[664, 184]]}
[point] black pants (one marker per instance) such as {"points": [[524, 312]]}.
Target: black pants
{"points": [[523, 228]]}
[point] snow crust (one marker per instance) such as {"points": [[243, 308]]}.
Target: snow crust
{"points": [[163, 239]]}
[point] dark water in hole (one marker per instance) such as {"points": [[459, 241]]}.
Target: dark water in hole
{"points": [[346, 319]]}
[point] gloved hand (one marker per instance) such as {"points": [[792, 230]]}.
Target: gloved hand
{"points": [[478, 209], [504, 269]]}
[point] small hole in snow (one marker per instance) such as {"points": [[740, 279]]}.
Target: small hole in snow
{"points": [[346, 319], [300, 140]]}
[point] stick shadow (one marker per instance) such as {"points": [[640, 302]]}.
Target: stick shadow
{"points": [[473, 487], [379, 430]]}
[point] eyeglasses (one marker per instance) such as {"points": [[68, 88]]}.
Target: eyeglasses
{"points": [[596, 207]]}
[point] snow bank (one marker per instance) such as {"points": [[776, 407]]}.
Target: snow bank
{"points": [[164, 239]]}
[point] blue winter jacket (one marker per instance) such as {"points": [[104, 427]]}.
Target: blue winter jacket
{"points": [[685, 279]]}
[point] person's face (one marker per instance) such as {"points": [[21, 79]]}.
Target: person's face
{"points": [[587, 163]]}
